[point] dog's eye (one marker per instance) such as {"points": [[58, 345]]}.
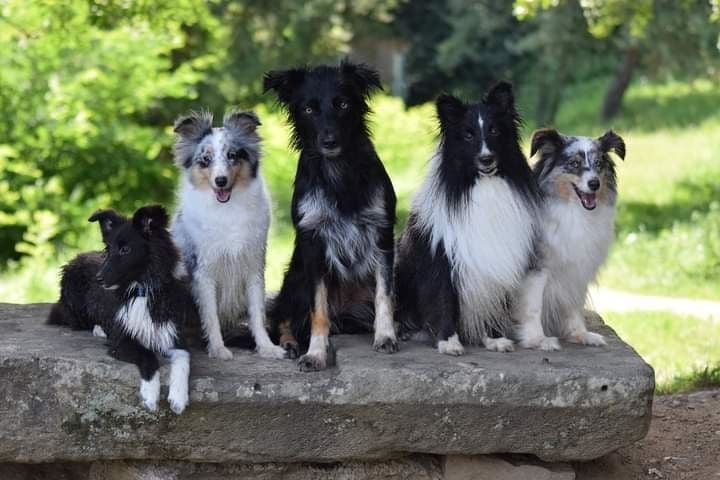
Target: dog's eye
{"points": [[468, 135], [574, 164], [493, 131], [309, 110], [204, 161], [236, 155], [124, 250], [343, 105]]}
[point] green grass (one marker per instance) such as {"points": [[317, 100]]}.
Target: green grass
{"points": [[684, 351]]}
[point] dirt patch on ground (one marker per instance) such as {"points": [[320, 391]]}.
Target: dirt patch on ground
{"points": [[683, 443]]}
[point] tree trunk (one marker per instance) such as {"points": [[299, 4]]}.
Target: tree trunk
{"points": [[616, 91], [550, 94]]}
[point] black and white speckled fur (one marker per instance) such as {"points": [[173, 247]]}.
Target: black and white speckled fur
{"points": [[221, 225], [577, 179], [343, 208], [129, 294], [472, 232]]}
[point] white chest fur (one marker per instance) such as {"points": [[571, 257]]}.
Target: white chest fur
{"points": [[135, 320], [351, 240], [577, 241], [488, 241]]}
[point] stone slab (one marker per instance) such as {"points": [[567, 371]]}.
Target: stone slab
{"points": [[62, 399]]}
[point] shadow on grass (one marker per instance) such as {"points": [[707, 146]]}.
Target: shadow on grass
{"points": [[692, 195]]}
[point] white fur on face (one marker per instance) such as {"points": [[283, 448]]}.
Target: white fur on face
{"points": [[484, 150], [135, 320], [488, 241], [150, 392], [351, 241], [179, 377]]}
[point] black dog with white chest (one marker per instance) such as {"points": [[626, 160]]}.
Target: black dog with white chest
{"points": [[472, 232], [343, 209], [129, 294]]}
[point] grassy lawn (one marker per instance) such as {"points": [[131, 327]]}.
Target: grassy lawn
{"points": [[684, 351]]}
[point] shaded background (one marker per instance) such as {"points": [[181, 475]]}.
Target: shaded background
{"points": [[89, 91]]}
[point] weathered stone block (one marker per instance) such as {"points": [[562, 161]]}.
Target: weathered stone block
{"points": [[62, 399]]}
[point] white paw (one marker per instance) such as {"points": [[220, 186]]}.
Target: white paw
{"points": [[272, 351], [312, 362], [386, 344], [178, 400], [98, 332], [220, 351], [150, 392], [588, 338], [547, 344], [501, 344], [451, 346]]}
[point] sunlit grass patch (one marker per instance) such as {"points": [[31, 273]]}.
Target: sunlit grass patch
{"points": [[680, 348]]}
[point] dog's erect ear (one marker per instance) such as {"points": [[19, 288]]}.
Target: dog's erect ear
{"points": [[449, 109], [501, 95], [109, 220], [194, 126], [365, 78], [150, 219], [283, 82], [243, 121], [546, 140], [612, 142]]}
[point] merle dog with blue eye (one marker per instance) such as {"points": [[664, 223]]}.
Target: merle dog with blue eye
{"points": [[128, 293], [343, 209]]}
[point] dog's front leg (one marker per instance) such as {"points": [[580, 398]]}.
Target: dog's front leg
{"points": [[385, 338], [318, 356], [577, 332], [178, 392], [206, 298], [256, 311], [528, 312]]}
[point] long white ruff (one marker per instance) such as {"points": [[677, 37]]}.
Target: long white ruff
{"points": [[488, 240]]}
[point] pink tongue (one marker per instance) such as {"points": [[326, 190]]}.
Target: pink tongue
{"points": [[588, 200], [222, 196]]}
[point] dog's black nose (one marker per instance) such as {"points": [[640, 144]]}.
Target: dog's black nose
{"points": [[220, 181], [329, 141], [486, 160], [594, 184]]}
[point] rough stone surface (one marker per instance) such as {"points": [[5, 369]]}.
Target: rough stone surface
{"points": [[490, 467], [63, 400], [417, 467]]}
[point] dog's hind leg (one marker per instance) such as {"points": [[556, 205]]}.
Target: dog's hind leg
{"points": [[203, 288], [256, 311], [318, 356], [287, 340], [577, 332], [528, 309]]}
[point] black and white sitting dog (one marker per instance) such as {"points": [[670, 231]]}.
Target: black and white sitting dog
{"points": [[472, 230], [577, 179], [129, 292], [343, 209]]}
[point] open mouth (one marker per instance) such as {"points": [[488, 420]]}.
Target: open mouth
{"points": [[111, 287], [588, 200], [488, 171], [222, 195]]}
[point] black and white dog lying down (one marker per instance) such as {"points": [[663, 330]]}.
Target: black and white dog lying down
{"points": [[577, 178], [129, 293], [472, 231]]}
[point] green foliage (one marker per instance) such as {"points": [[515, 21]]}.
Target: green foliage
{"points": [[79, 81], [684, 351]]}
